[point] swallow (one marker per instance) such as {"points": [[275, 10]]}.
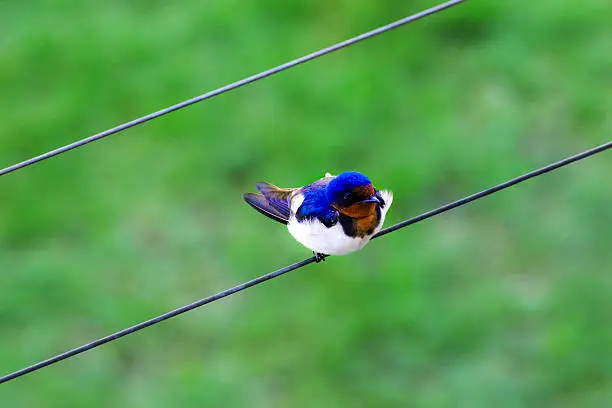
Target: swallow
{"points": [[334, 215]]}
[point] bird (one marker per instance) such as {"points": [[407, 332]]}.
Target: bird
{"points": [[334, 215]]}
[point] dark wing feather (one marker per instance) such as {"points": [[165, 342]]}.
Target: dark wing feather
{"points": [[278, 198], [262, 205]]}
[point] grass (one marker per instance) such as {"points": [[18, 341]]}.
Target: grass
{"points": [[504, 302]]}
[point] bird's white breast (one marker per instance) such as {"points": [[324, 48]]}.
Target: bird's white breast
{"points": [[331, 241], [317, 237]]}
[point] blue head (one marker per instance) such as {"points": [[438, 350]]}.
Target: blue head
{"points": [[353, 194]]}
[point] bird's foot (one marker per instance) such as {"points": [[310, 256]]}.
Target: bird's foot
{"points": [[319, 256]]}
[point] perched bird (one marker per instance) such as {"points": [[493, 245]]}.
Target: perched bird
{"points": [[334, 215]]}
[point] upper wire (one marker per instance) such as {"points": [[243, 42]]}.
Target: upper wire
{"points": [[176, 107], [232, 86], [300, 264]]}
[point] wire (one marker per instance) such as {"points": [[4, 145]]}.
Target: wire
{"points": [[271, 275], [232, 86], [496, 188], [173, 108]]}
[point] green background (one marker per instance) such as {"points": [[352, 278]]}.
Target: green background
{"points": [[505, 302]]}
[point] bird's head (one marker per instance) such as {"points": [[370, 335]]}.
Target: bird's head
{"points": [[352, 194]]}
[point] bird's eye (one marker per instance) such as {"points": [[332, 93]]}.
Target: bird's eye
{"points": [[348, 196]]}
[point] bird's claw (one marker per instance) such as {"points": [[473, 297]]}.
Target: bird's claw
{"points": [[319, 257]]}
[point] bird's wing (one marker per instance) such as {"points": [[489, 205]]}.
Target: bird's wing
{"points": [[273, 201], [279, 198], [259, 202]]}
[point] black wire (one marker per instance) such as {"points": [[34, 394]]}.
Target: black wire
{"points": [[298, 265], [155, 320], [232, 86], [173, 108], [495, 189]]}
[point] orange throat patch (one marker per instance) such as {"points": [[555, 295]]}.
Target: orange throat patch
{"points": [[358, 210], [366, 225], [365, 217]]}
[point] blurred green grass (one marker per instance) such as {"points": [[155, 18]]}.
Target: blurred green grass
{"points": [[504, 302]]}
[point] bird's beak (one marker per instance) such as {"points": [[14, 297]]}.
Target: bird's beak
{"points": [[371, 200]]}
